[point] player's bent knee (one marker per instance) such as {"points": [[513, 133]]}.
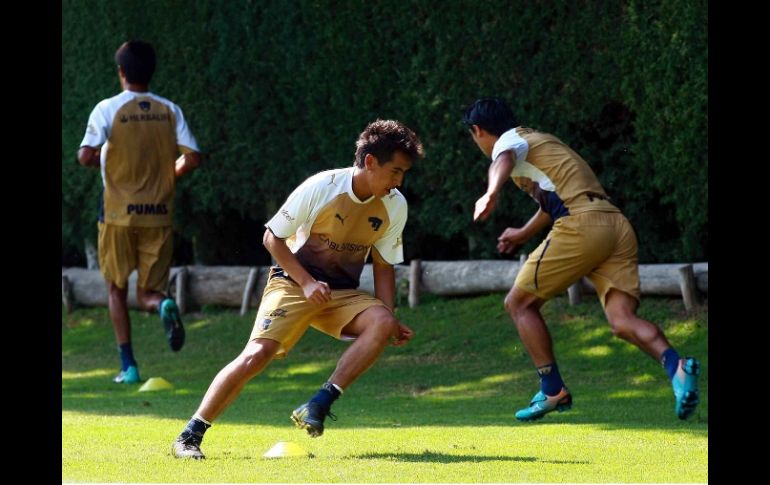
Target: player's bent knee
{"points": [[619, 326], [387, 326]]}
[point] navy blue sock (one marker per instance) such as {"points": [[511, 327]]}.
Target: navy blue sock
{"points": [[550, 379], [326, 395], [195, 428], [126, 356], [670, 361]]}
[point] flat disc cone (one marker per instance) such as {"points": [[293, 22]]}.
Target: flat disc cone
{"points": [[156, 384], [285, 449]]}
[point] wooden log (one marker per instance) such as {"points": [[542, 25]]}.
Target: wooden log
{"points": [[92, 255], [248, 291], [66, 294], [414, 283], [89, 288], [223, 285], [574, 293], [467, 277], [367, 278], [218, 285], [687, 285], [181, 289], [662, 279]]}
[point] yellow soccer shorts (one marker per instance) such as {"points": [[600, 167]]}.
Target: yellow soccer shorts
{"points": [[284, 314], [601, 246], [147, 249]]}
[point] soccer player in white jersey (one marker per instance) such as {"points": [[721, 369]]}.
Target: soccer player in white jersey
{"points": [[590, 237], [321, 238], [135, 138]]}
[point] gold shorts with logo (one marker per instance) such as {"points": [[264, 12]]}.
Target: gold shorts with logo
{"points": [[146, 249], [285, 314], [598, 245]]}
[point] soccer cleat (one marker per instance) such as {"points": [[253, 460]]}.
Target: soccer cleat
{"points": [[128, 376], [542, 404], [685, 384], [311, 416], [187, 448], [172, 324]]}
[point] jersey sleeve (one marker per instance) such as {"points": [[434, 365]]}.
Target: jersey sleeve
{"points": [[97, 129], [390, 246], [184, 137], [510, 140], [293, 213]]}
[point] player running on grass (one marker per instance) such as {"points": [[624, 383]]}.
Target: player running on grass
{"points": [[321, 238], [590, 237]]}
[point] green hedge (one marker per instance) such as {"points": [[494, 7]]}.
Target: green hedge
{"points": [[278, 90]]}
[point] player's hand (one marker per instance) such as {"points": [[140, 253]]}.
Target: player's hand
{"points": [[511, 238], [506, 247], [405, 334], [317, 292], [484, 206]]}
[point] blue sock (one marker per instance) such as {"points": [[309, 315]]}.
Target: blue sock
{"points": [[126, 356], [196, 428], [670, 361], [550, 379], [326, 395]]}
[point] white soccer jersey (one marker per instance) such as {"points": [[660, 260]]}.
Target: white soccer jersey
{"points": [[331, 231]]}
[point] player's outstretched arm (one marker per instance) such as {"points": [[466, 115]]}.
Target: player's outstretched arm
{"points": [[499, 173]]}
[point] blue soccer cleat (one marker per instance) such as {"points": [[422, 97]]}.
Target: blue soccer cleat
{"points": [[311, 416], [542, 404], [172, 324], [685, 384], [128, 376]]}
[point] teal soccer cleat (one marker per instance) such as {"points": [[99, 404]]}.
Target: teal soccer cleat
{"points": [[172, 324], [128, 376], [542, 404], [685, 384]]}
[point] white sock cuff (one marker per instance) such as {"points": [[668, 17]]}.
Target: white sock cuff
{"points": [[200, 418], [337, 387]]}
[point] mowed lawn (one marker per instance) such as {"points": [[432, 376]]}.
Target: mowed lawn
{"points": [[437, 410]]}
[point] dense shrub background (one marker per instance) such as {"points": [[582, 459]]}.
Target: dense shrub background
{"points": [[276, 90]]}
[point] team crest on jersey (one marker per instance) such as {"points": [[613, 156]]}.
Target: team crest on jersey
{"points": [[144, 105], [278, 313], [376, 222]]}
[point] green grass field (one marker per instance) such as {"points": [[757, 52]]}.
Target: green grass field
{"points": [[437, 410]]}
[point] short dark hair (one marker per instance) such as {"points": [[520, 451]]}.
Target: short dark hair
{"points": [[382, 138], [491, 114], [137, 59]]}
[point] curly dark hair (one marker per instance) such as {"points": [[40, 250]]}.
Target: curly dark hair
{"points": [[382, 138]]}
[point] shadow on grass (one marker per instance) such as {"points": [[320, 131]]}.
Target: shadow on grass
{"points": [[433, 457], [465, 367]]}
